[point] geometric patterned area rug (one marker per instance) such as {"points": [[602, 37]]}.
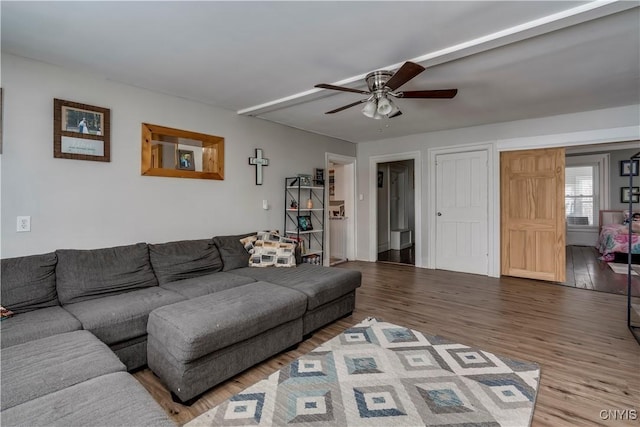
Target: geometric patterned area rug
{"points": [[381, 374]]}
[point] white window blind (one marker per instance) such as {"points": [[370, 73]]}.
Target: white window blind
{"points": [[580, 194]]}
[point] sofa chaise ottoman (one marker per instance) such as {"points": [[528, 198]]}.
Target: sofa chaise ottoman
{"points": [[196, 344]]}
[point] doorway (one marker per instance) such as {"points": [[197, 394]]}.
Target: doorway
{"points": [[396, 212], [416, 237], [340, 212]]}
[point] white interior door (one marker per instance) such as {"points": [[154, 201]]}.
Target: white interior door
{"points": [[461, 218]]}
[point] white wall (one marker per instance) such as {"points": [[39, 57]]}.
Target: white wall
{"points": [[84, 204], [546, 130], [616, 181]]}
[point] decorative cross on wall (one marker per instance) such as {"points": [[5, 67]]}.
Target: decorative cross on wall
{"points": [[258, 161]]}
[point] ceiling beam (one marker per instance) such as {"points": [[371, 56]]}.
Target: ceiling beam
{"points": [[567, 18]]}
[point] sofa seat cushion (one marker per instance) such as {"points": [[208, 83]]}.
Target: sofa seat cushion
{"points": [[320, 284], [36, 324], [88, 274], [29, 282], [200, 326], [121, 317], [204, 285], [109, 400], [184, 259], [44, 366]]}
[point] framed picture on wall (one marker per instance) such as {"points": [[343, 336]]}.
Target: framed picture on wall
{"points": [[625, 194], [319, 176], [332, 182], [81, 131], [629, 167]]}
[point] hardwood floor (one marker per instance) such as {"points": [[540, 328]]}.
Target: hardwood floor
{"points": [[402, 256], [586, 271], [589, 360]]}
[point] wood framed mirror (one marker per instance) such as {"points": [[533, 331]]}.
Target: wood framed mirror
{"points": [[181, 154]]}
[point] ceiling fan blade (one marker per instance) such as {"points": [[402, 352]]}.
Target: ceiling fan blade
{"points": [[405, 73], [396, 114], [443, 93], [341, 88], [353, 104]]}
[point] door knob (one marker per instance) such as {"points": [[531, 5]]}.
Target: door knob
{"points": [[439, 213]]}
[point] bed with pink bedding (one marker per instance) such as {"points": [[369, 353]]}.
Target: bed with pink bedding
{"points": [[614, 235], [615, 238]]}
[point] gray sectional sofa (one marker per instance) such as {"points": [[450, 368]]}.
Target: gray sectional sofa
{"points": [[190, 310]]}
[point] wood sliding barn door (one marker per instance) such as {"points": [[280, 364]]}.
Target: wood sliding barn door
{"points": [[532, 214]]}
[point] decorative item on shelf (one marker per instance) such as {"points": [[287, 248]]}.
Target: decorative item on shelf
{"points": [[304, 223], [293, 205], [310, 203], [258, 161], [300, 242], [319, 176], [81, 131], [305, 180], [186, 160], [312, 259]]}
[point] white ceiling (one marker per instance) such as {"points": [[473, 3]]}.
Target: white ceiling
{"points": [[509, 60]]}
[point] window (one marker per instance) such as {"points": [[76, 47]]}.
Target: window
{"points": [[580, 195]]}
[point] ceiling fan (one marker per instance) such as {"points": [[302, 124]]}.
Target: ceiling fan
{"points": [[383, 85]]}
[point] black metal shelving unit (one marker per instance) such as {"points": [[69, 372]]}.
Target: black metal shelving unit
{"points": [[311, 241], [633, 310]]}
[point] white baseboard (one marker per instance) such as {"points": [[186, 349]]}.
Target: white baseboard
{"points": [[582, 238]]}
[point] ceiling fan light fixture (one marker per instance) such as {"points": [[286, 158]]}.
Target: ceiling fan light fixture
{"points": [[394, 111], [382, 84], [370, 109], [385, 106]]}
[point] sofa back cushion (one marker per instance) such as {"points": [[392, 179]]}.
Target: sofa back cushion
{"points": [[233, 253], [184, 259], [88, 274], [29, 282]]}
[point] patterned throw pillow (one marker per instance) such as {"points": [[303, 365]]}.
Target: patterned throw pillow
{"points": [[248, 243], [5, 313], [271, 249]]}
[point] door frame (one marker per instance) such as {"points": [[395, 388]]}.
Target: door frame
{"points": [[373, 201], [628, 134], [352, 230], [493, 267]]}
